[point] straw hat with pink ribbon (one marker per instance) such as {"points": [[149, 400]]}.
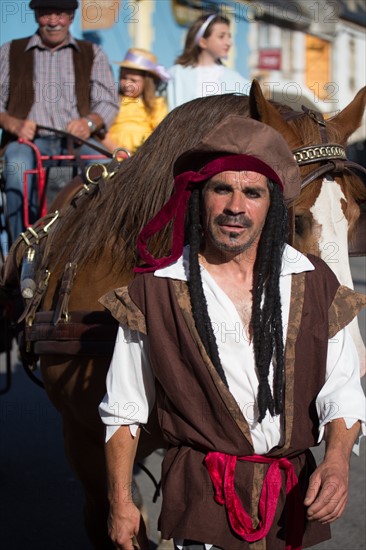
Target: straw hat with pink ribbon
{"points": [[143, 60]]}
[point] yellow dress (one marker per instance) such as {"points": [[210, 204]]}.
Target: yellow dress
{"points": [[134, 124]]}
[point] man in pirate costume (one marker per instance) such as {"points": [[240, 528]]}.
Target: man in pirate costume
{"points": [[241, 342]]}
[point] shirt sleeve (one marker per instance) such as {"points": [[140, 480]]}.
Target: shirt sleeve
{"points": [[130, 384], [171, 90], [342, 394], [4, 76], [104, 95]]}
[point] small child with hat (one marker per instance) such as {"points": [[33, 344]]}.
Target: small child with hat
{"points": [[141, 109]]}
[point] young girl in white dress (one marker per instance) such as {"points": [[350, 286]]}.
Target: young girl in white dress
{"points": [[199, 71]]}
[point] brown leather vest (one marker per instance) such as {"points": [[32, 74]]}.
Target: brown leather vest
{"points": [[21, 91]]}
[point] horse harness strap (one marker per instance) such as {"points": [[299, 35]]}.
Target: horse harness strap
{"points": [[319, 119], [33, 304], [62, 307], [337, 166], [32, 237], [39, 230], [308, 155], [61, 312], [334, 153], [85, 333]]}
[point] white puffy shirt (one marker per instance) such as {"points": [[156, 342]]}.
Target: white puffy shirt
{"points": [[130, 381]]}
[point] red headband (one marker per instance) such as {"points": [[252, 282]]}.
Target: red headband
{"points": [[177, 205]]}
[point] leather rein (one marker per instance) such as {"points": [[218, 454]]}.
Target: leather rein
{"points": [[69, 136]]}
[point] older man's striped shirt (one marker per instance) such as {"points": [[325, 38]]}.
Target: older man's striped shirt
{"points": [[55, 101]]}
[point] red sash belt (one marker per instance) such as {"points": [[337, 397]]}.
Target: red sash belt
{"points": [[221, 468]]}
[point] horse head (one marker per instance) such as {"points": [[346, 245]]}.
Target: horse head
{"points": [[327, 211]]}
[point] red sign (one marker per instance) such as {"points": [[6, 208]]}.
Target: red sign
{"points": [[270, 59]]}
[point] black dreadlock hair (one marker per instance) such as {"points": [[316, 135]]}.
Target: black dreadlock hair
{"points": [[266, 321], [198, 299], [266, 312]]}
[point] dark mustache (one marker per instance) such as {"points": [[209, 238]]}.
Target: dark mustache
{"points": [[240, 219]]}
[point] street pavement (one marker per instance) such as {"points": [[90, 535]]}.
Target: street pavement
{"points": [[41, 500]]}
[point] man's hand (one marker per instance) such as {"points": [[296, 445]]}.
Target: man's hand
{"points": [[327, 493], [125, 521], [79, 128], [25, 129], [126, 524]]}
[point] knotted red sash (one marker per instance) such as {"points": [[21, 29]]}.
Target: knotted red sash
{"points": [[221, 468]]}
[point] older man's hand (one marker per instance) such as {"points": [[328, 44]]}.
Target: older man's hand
{"points": [[79, 128], [25, 129]]}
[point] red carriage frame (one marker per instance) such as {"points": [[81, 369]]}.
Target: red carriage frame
{"points": [[41, 172]]}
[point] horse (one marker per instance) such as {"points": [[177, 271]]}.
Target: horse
{"points": [[89, 248]]}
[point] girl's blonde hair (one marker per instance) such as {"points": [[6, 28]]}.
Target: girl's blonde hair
{"points": [[151, 84], [191, 51]]}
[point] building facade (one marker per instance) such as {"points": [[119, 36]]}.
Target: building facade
{"points": [[302, 52]]}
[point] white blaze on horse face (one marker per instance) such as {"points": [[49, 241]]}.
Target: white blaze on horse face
{"points": [[333, 241], [333, 245]]}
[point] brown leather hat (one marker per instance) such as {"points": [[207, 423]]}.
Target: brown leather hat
{"points": [[240, 135]]}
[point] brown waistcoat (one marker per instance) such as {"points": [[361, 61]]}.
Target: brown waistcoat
{"points": [[21, 87], [198, 414]]}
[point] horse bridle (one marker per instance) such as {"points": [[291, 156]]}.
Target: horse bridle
{"points": [[333, 153]]}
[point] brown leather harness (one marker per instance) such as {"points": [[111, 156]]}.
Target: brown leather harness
{"points": [[58, 331], [332, 155]]}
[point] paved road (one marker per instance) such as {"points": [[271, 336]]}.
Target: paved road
{"points": [[41, 501]]}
